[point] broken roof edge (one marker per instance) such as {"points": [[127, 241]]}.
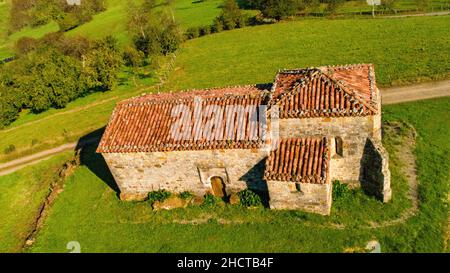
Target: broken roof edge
{"points": [[182, 95]]}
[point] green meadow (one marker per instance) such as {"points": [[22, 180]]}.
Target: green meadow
{"points": [[89, 211], [404, 50], [21, 196], [419, 51]]}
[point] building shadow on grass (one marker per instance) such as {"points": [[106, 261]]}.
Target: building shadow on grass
{"points": [[95, 162]]}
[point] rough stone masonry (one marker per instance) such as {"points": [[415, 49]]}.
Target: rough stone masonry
{"points": [[290, 139]]}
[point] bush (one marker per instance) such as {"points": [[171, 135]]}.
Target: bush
{"points": [[25, 45], [11, 148], [8, 111], [102, 64], [217, 26], [159, 195], [210, 200], [205, 30], [192, 32], [248, 198], [185, 195], [133, 57], [340, 191], [231, 16]]}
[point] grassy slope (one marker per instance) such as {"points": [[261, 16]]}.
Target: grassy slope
{"points": [[88, 210], [113, 21], [361, 6], [403, 50], [419, 49], [21, 195]]}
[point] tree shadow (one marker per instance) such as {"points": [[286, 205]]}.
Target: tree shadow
{"points": [[87, 145]]}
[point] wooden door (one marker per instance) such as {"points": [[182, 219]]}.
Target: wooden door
{"points": [[218, 187]]}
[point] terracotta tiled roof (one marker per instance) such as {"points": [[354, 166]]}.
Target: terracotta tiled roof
{"points": [[325, 92], [304, 160], [144, 124]]}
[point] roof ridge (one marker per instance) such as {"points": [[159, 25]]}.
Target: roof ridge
{"points": [[184, 91], [350, 92]]}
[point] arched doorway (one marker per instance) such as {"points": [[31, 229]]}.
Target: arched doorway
{"points": [[218, 187]]}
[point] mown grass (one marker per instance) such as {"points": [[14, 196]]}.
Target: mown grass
{"points": [[7, 48], [400, 5], [113, 21], [88, 211], [21, 195], [404, 50]]}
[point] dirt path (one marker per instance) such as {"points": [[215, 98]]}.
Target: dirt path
{"points": [[436, 13], [415, 92], [389, 96], [405, 152], [17, 164]]}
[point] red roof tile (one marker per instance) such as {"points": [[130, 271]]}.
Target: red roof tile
{"points": [[325, 91], [304, 160], [144, 124]]}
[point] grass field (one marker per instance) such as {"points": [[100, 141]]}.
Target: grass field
{"points": [[21, 195], [400, 5], [405, 50], [88, 211], [111, 22], [419, 50]]}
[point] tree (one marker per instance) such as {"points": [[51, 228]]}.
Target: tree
{"points": [[102, 64], [231, 16], [8, 111], [138, 20], [277, 9], [388, 5], [422, 4], [133, 57], [25, 45], [160, 35], [333, 5]]}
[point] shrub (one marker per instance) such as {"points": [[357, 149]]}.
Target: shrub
{"points": [[185, 195], [275, 8], [217, 26], [11, 148], [34, 142], [133, 57], [249, 198], [205, 30], [159, 195], [102, 64], [8, 111], [231, 16], [210, 200], [192, 32], [25, 45], [340, 191]]}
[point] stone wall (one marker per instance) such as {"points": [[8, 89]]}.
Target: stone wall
{"points": [[316, 198], [376, 177], [352, 130], [136, 174]]}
